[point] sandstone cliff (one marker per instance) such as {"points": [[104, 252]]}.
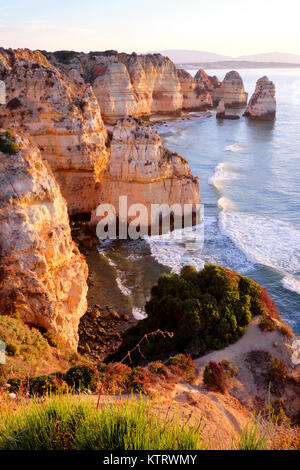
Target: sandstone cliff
{"points": [[195, 94], [231, 91], [43, 275], [262, 105], [145, 171], [62, 115], [125, 84]]}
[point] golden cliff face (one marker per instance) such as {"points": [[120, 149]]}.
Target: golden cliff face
{"points": [[43, 275], [136, 85], [262, 105], [142, 169], [62, 115], [231, 91]]}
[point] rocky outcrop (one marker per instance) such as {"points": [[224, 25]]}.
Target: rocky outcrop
{"points": [[221, 110], [62, 114], [262, 105], [43, 275], [195, 95], [208, 82], [231, 91], [125, 84], [142, 169]]}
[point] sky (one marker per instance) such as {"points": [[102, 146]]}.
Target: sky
{"points": [[229, 27]]}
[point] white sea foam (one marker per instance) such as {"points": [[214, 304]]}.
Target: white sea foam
{"points": [[224, 173], [266, 241], [139, 313], [234, 148], [175, 253], [125, 290], [226, 204], [217, 249], [291, 283]]}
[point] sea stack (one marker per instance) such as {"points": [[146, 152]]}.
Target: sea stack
{"points": [[43, 275], [262, 105], [231, 91]]}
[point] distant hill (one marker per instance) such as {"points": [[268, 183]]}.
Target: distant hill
{"points": [[179, 56], [186, 56], [272, 57], [237, 64]]}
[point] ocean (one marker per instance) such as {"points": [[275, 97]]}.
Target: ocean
{"points": [[250, 185]]}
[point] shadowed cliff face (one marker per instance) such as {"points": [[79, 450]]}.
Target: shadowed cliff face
{"points": [[262, 105], [196, 95], [43, 275], [62, 115]]}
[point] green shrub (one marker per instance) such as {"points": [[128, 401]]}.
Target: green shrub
{"points": [[215, 377], [158, 368], [230, 369], [277, 371], [266, 324], [8, 144], [205, 310], [39, 386], [183, 366], [82, 377]]}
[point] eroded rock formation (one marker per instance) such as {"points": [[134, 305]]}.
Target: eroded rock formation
{"points": [[262, 105], [125, 84], [142, 169], [231, 91], [221, 110], [196, 95], [62, 114], [43, 275]]}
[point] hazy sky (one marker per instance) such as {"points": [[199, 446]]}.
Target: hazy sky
{"points": [[229, 27]]}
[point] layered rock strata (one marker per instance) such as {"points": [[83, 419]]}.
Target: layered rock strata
{"points": [[43, 275], [62, 114], [231, 91], [262, 105], [142, 169], [125, 84]]}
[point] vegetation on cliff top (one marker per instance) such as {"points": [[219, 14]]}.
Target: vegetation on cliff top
{"points": [[205, 310], [8, 144]]}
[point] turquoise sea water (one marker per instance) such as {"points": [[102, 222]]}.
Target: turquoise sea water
{"points": [[250, 184]]}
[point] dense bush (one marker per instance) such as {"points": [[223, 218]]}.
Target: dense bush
{"points": [[215, 377], [229, 368], [277, 371], [182, 366], [8, 144], [205, 310], [82, 377], [158, 368]]}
